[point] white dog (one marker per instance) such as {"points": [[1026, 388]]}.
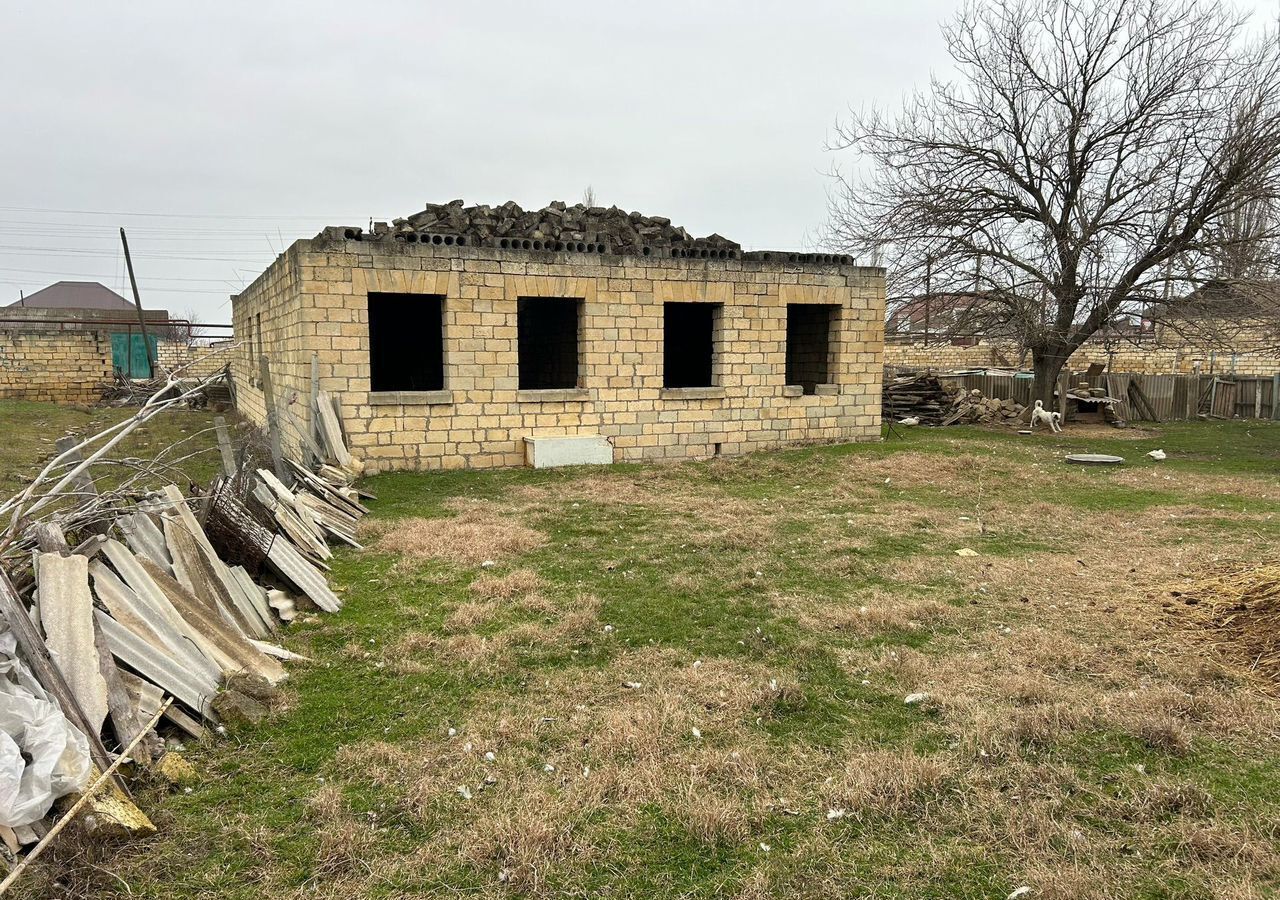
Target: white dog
{"points": [[1052, 419]]}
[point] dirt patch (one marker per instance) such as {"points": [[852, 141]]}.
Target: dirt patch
{"points": [[1077, 430]]}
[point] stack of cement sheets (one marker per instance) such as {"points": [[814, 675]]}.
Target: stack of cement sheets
{"points": [[181, 599]]}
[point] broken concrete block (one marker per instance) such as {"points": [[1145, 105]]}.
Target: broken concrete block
{"points": [[174, 768], [255, 686]]}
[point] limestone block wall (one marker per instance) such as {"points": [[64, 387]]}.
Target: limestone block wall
{"points": [[54, 365], [195, 360], [314, 299], [1183, 359], [945, 356], [268, 319]]}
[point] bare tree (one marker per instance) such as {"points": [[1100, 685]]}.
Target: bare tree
{"points": [[183, 330], [1090, 158], [589, 197]]}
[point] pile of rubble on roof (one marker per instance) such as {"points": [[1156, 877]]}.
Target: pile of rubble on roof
{"points": [[159, 621], [558, 226], [563, 228]]}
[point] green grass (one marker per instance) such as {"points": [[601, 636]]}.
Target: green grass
{"points": [[30, 430], [748, 592]]}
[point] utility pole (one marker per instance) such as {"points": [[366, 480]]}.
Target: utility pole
{"points": [[137, 301]]}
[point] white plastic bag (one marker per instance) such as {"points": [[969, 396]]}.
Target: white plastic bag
{"points": [[42, 755]]}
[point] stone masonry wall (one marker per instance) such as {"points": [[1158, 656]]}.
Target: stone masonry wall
{"points": [[58, 366], [195, 361], [267, 319], [1177, 360], [314, 298]]}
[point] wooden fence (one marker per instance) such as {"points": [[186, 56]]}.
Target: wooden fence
{"points": [[1146, 398]]}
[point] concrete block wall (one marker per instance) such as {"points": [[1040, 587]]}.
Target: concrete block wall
{"points": [[54, 365], [314, 299]]}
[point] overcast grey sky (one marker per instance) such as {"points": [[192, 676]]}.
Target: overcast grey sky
{"points": [[239, 127]]}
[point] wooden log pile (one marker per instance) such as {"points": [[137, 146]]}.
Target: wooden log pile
{"points": [[917, 395], [170, 610]]}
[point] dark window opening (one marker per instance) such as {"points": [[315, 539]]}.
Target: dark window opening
{"points": [[809, 327], [547, 342], [406, 342], [689, 344]]}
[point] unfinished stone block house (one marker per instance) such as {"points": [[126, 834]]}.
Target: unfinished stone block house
{"points": [[461, 335]]}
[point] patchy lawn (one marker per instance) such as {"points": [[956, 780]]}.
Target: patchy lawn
{"points": [[689, 681], [182, 439]]}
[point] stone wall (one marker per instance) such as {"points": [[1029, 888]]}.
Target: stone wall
{"points": [[314, 299], [195, 360], [1155, 360], [58, 366]]}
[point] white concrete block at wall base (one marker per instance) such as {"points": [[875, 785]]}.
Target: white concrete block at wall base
{"points": [[549, 451]]}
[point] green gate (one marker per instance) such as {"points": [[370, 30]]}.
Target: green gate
{"points": [[129, 355]]}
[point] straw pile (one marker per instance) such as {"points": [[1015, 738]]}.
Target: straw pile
{"points": [[1242, 607]]}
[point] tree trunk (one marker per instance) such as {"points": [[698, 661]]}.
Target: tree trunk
{"points": [[1047, 363]]}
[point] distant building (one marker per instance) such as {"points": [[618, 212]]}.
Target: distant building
{"points": [[78, 300], [75, 295], [66, 306]]}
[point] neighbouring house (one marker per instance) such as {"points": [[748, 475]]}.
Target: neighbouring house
{"points": [[89, 305], [82, 299], [64, 342], [491, 336]]}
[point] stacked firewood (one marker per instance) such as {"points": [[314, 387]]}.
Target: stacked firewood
{"points": [[918, 396]]}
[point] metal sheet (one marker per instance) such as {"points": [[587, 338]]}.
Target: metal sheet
{"points": [[307, 578], [158, 667]]}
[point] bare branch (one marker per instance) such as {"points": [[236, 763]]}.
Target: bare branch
{"points": [[1091, 158]]}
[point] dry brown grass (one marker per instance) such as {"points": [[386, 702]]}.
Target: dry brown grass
{"points": [[867, 613], [345, 845], [510, 586], [891, 784], [1091, 657], [478, 534], [466, 616], [613, 750], [560, 626]]}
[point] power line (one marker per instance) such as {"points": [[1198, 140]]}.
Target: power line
{"points": [[92, 275], [152, 215], [10, 250], [62, 227]]}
